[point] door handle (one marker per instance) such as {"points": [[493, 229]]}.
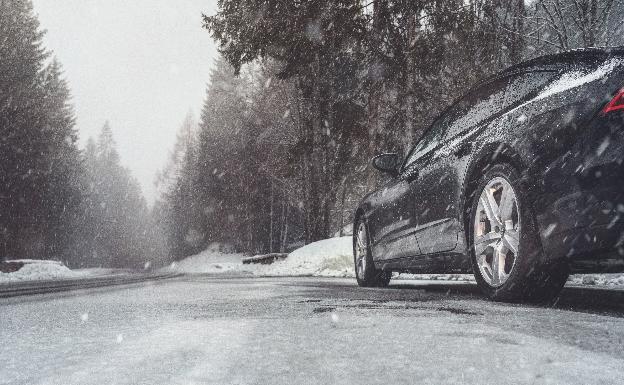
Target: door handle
{"points": [[463, 149]]}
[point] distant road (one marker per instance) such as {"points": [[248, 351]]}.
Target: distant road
{"points": [[216, 330], [23, 288]]}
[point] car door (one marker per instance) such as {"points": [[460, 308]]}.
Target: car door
{"points": [[441, 167], [398, 216], [392, 222]]}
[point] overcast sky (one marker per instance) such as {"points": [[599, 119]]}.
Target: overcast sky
{"points": [[140, 64]]}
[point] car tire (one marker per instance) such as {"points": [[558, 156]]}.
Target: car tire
{"points": [[516, 270], [366, 273]]}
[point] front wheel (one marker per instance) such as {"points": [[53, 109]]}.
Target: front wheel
{"points": [[365, 272], [506, 251]]}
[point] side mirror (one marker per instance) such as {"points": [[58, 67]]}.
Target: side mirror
{"points": [[388, 163]]}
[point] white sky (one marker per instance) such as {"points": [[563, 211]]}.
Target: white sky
{"points": [[141, 64]]}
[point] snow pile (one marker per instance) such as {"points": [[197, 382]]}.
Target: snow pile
{"points": [[327, 258], [212, 260], [39, 270]]}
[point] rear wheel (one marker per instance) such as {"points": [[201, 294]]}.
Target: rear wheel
{"points": [[506, 251], [365, 272]]}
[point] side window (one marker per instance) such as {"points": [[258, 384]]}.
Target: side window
{"points": [[438, 130], [428, 141]]}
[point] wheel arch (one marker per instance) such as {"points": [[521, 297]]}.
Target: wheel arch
{"points": [[488, 156]]}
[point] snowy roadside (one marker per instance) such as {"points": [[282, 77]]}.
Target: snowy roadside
{"points": [[327, 258], [331, 258], [50, 270]]}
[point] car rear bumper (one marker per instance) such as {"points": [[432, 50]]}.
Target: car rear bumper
{"points": [[590, 249]]}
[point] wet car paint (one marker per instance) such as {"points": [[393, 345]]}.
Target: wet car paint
{"points": [[555, 136]]}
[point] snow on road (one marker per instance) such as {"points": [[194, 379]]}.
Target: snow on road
{"points": [[203, 330]]}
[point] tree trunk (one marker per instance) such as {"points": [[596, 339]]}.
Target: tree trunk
{"points": [[342, 204], [271, 221]]}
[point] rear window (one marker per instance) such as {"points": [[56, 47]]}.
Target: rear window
{"points": [[525, 84], [495, 98], [476, 107]]}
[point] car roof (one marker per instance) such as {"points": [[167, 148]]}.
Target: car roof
{"points": [[582, 55], [575, 56], [592, 55]]}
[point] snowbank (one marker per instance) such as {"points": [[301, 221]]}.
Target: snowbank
{"points": [[39, 270], [211, 260], [327, 258]]}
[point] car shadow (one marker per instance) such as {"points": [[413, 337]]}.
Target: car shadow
{"points": [[573, 298], [593, 300]]}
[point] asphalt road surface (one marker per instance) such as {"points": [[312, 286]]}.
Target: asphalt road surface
{"points": [[216, 330]]}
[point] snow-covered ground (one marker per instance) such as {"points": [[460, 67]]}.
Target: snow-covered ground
{"points": [[327, 258], [211, 260], [40, 270], [331, 258], [302, 331]]}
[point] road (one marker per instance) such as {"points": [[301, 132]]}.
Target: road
{"points": [[228, 330]]}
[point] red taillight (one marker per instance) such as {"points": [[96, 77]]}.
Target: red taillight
{"points": [[617, 103]]}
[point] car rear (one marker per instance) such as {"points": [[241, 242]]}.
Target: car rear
{"points": [[582, 205]]}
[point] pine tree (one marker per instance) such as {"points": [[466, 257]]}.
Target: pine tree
{"points": [[185, 138], [317, 43], [115, 223], [39, 162], [21, 61], [62, 195], [174, 210]]}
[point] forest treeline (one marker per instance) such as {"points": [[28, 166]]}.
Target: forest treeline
{"points": [[303, 95], [306, 92], [56, 200]]}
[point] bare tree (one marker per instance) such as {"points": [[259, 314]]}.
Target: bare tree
{"points": [[562, 25]]}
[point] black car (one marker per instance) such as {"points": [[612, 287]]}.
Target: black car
{"points": [[520, 181]]}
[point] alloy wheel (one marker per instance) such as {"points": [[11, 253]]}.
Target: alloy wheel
{"points": [[361, 251], [497, 231]]}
